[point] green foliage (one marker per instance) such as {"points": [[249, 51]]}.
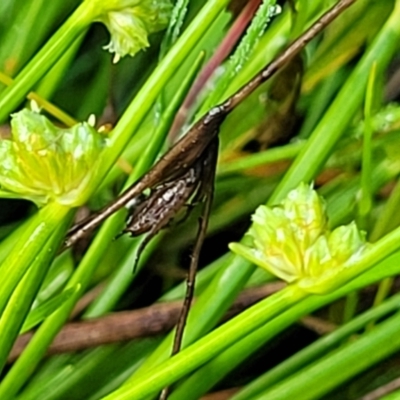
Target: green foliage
{"points": [[40, 313]]}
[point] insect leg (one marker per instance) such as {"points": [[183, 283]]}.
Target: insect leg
{"points": [[207, 192], [141, 247]]}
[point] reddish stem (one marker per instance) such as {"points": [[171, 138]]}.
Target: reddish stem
{"points": [[224, 49]]}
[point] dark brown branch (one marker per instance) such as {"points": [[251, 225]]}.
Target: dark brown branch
{"points": [[127, 325]]}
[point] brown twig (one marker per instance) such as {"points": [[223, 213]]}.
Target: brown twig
{"points": [[127, 325], [383, 390], [318, 325], [221, 395]]}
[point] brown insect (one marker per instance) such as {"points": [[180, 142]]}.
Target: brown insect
{"points": [[158, 209], [187, 171]]}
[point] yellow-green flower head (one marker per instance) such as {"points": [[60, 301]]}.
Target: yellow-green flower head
{"points": [[130, 23], [292, 240], [42, 162]]}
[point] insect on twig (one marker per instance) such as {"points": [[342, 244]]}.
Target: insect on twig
{"points": [[192, 145], [187, 170]]}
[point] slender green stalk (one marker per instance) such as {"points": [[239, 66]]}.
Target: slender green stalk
{"points": [[61, 115], [342, 365], [9, 242], [208, 347], [40, 313], [55, 76], [32, 24], [350, 307], [343, 43], [383, 291], [54, 386], [37, 347], [365, 202], [320, 101], [29, 245], [23, 296], [342, 109], [45, 58], [384, 223], [389, 218], [339, 201], [286, 152]]}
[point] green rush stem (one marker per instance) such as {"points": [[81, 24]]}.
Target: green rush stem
{"points": [[52, 109], [384, 288], [9, 242], [350, 308], [23, 296], [45, 58], [287, 152], [29, 245], [389, 218], [365, 202], [319, 378], [208, 347], [37, 347]]}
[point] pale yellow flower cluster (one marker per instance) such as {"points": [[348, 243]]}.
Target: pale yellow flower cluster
{"points": [[293, 242], [43, 163]]}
